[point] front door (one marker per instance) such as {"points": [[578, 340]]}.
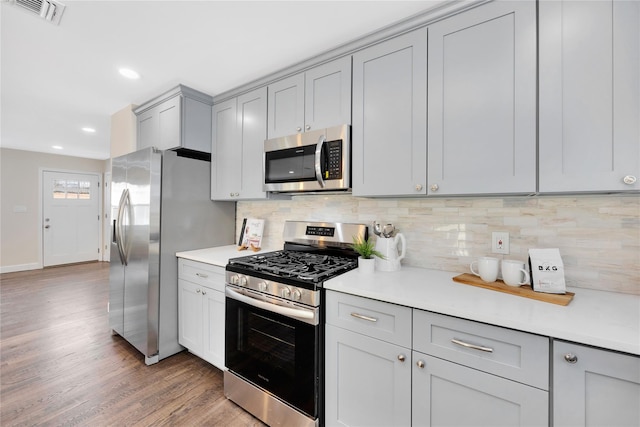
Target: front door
{"points": [[71, 217]]}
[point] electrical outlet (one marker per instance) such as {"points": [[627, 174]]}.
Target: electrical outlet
{"points": [[500, 242]]}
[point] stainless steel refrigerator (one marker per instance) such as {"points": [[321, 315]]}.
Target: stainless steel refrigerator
{"points": [[161, 204]]}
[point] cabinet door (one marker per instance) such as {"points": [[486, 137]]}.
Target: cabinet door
{"points": [[594, 387], [328, 95], [366, 382], [589, 95], [482, 101], [286, 106], [226, 152], [190, 316], [147, 128], [446, 393], [169, 124], [213, 323], [252, 126], [389, 132]]}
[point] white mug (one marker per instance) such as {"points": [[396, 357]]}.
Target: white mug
{"points": [[487, 268], [514, 273]]}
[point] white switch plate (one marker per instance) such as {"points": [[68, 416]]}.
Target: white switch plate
{"points": [[500, 242]]}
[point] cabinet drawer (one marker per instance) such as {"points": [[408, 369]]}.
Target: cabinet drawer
{"points": [[515, 355], [377, 319], [200, 273]]}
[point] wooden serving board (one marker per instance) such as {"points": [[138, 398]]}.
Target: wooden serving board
{"points": [[523, 291]]}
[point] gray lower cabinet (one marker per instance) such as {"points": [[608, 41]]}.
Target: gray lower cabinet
{"points": [[389, 130], [179, 118], [201, 310], [594, 387], [482, 101], [315, 99], [367, 380], [390, 365], [445, 393], [367, 362], [589, 127], [239, 131], [470, 373]]}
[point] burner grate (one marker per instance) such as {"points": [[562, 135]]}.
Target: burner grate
{"points": [[305, 266]]}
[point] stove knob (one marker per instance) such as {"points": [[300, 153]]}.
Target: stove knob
{"points": [[296, 295], [234, 279], [263, 286], [285, 292], [243, 281]]}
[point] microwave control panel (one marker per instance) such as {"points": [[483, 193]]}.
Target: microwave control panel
{"points": [[334, 160]]}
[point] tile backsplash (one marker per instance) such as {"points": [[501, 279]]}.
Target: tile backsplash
{"points": [[598, 236]]}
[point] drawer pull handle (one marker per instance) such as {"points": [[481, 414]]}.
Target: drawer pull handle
{"points": [[202, 275], [363, 317], [473, 346]]}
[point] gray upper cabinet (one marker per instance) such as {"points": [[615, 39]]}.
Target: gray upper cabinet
{"points": [[179, 118], [482, 101], [315, 99], [589, 96], [594, 387], [239, 131], [389, 132]]}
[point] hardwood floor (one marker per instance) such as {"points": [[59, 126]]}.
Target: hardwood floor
{"points": [[60, 365]]}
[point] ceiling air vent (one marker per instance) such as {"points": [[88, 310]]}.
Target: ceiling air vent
{"points": [[48, 10]]}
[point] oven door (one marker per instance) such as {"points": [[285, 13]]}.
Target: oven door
{"points": [[274, 344]]}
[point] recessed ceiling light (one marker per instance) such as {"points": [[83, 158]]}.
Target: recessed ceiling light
{"points": [[89, 130], [56, 147], [128, 73]]}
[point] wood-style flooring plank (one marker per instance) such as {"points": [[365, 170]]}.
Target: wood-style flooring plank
{"points": [[60, 365]]}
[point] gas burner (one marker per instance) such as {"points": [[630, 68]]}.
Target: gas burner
{"points": [[304, 266]]}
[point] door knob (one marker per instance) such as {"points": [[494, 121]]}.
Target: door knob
{"points": [[47, 226]]}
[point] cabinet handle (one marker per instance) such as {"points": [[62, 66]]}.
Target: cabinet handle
{"points": [[363, 317], [198, 291], [402, 357], [204, 292], [307, 127], [571, 358], [298, 129], [472, 346], [418, 187], [202, 275], [420, 364], [629, 179], [435, 187]]}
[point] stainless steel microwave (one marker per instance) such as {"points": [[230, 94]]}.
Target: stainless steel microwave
{"points": [[311, 161]]}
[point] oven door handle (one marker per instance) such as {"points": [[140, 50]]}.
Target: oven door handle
{"points": [[304, 315]]}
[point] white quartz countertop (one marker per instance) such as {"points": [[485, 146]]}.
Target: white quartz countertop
{"points": [[603, 319], [219, 255]]}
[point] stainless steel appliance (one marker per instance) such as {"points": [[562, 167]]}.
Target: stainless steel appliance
{"points": [[274, 330], [311, 161], [160, 205]]}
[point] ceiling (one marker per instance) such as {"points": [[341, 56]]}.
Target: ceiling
{"points": [[57, 79]]}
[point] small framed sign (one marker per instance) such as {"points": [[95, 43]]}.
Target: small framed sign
{"points": [[251, 234]]}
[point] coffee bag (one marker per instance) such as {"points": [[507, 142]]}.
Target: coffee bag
{"points": [[547, 271]]}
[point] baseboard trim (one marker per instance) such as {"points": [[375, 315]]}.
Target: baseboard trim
{"points": [[20, 267]]}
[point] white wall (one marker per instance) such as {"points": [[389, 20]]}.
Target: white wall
{"points": [[598, 235], [19, 186]]}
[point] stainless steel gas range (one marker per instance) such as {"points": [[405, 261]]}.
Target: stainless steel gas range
{"points": [[274, 333]]}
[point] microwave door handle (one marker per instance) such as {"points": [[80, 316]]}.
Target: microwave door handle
{"points": [[319, 145]]}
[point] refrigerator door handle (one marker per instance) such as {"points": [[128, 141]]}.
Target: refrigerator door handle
{"points": [[118, 231], [126, 218]]}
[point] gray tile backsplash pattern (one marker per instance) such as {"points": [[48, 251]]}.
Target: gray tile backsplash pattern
{"points": [[598, 236]]}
